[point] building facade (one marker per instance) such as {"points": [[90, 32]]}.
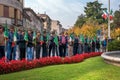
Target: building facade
{"points": [[46, 22], [26, 20], [11, 12], [35, 22], [56, 26]]}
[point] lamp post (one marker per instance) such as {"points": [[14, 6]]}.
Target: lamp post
{"points": [[109, 37]]}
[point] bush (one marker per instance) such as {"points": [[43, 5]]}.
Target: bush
{"points": [[17, 65], [114, 45]]}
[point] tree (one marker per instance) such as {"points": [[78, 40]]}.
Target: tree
{"points": [[80, 21], [117, 19], [94, 12]]}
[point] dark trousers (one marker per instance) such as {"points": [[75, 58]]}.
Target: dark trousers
{"points": [[22, 53], [89, 49], [75, 49], [82, 48], [52, 48], [60, 50], [56, 49], [38, 50], [86, 48], [44, 53], [93, 49], [63, 50], [2, 51]]}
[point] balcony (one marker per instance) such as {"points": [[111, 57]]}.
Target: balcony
{"points": [[17, 22]]}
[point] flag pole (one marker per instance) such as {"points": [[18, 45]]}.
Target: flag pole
{"points": [[5, 45], [109, 37]]}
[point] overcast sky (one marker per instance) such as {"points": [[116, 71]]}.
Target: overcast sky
{"points": [[66, 11]]}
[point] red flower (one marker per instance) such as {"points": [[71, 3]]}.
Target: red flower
{"points": [[17, 65]]}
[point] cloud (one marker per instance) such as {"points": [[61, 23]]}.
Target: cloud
{"points": [[114, 4], [63, 10], [66, 11]]}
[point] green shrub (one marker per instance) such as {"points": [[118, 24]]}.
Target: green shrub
{"points": [[114, 45]]}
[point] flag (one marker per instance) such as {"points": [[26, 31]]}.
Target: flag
{"points": [[105, 14], [6, 30], [15, 35], [72, 36], [41, 37], [81, 38], [26, 36], [111, 15], [34, 38], [95, 38], [48, 37], [34, 35], [14, 38], [70, 39], [88, 40], [56, 40]]}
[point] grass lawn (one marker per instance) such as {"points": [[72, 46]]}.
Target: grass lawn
{"points": [[90, 69]]}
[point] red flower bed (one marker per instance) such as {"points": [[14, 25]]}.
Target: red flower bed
{"points": [[17, 65]]}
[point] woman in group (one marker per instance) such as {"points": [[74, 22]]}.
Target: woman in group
{"points": [[70, 47]]}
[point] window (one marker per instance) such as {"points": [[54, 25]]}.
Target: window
{"points": [[15, 16], [1, 10], [6, 11], [11, 11], [21, 16], [18, 14]]}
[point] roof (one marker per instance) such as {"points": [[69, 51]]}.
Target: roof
{"points": [[25, 15], [43, 15], [29, 9]]}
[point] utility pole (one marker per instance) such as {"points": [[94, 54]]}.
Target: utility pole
{"points": [[109, 37]]}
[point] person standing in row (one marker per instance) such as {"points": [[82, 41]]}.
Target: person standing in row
{"points": [[104, 45], [86, 45], [70, 47], [30, 46], [63, 45], [76, 45], [44, 45], [60, 45], [38, 45], [93, 45], [52, 45], [2, 42], [98, 45], [66, 38], [22, 45], [11, 45], [17, 44]]}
